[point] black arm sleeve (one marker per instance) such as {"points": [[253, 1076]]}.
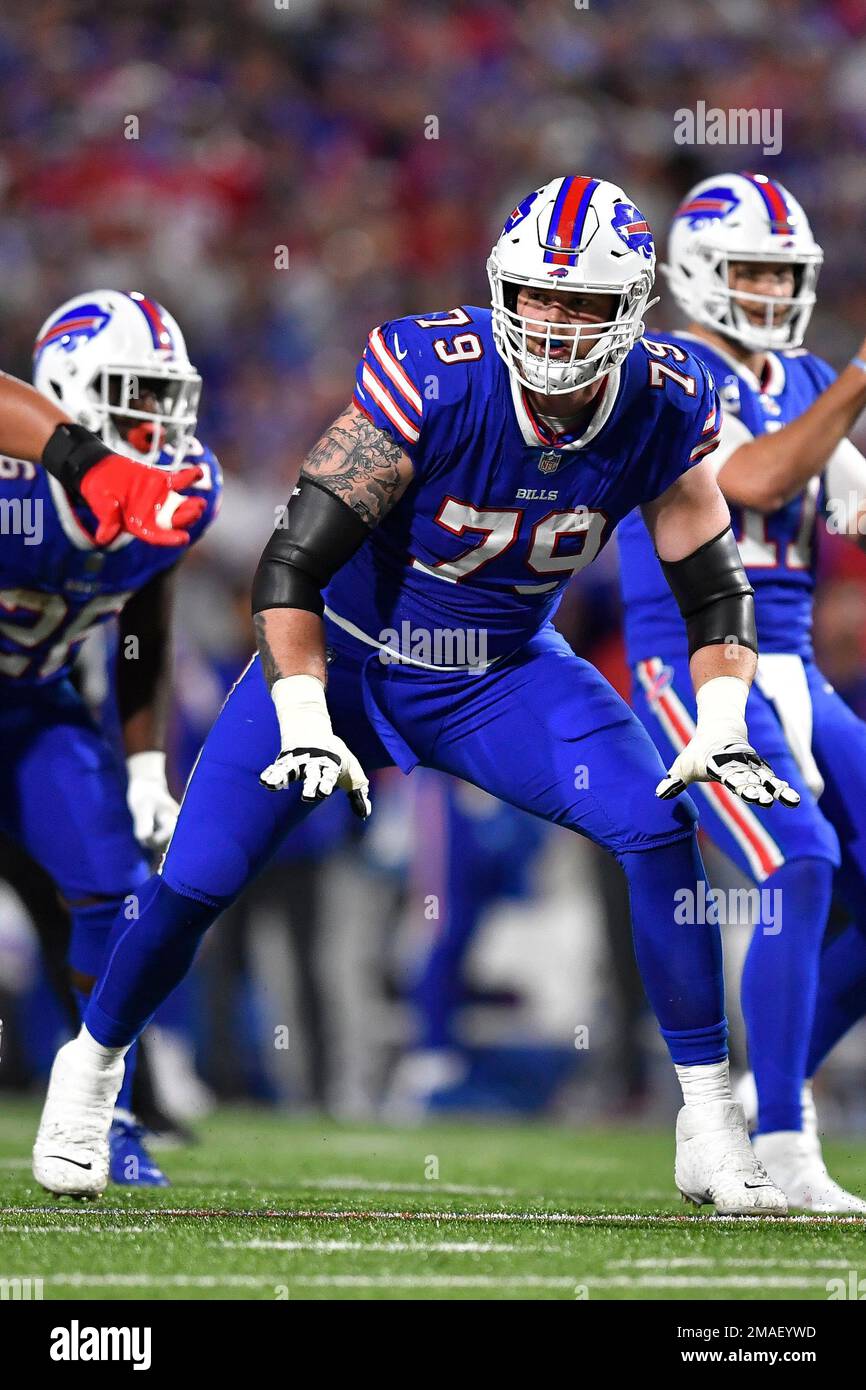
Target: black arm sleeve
{"points": [[714, 595], [318, 534], [70, 453]]}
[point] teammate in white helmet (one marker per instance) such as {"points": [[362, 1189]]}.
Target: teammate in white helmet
{"points": [[117, 364], [742, 266]]}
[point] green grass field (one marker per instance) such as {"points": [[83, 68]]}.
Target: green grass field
{"points": [[267, 1208]]}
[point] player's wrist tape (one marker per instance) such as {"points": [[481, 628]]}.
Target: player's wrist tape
{"points": [[721, 705], [149, 765], [70, 453], [302, 710], [858, 362], [319, 534], [714, 595]]}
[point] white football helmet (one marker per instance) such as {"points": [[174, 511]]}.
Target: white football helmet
{"points": [[582, 234], [99, 352], [742, 217]]}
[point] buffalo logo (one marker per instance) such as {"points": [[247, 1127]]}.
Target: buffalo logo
{"points": [[517, 214], [632, 227], [713, 205], [549, 462], [559, 271], [75, 326]]}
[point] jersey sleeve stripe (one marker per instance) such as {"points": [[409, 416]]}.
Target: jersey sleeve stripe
{"points": [[389, 364], [371, 365], [705, 446], [389, 407], [711, 421]]}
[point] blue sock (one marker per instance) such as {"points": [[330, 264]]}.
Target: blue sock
{"points": [[680, 964], [147, 958], [841, 998], [780, 985]]}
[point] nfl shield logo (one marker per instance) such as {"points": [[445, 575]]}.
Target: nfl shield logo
{"points": [[548, 463]]}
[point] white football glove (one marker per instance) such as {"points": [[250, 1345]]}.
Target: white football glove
{"points": [[153, 809], [719, 750], [311, 751]]}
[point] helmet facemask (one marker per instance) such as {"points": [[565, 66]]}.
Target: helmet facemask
{"points": [[721, 308], [124, 426], [533, 364]]}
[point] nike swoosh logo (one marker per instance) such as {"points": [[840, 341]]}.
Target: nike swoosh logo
{"points": [[63, 1159], [397, 351]]}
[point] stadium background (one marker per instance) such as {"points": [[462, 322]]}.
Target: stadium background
{"points": [[381, 143]]}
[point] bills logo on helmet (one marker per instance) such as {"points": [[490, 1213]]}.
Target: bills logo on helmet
{"points": [[632, 227], [517, 214], [713, 205], [84, 321], [559, 271]]}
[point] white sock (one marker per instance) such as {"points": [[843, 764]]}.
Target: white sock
{"points": [[102, 1057], [709, 1081]]}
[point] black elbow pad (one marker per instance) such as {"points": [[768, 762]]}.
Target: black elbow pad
{"points": [[317, 535], [714, 595]]}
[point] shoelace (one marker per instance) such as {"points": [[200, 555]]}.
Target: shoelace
{"points": [[740, 1163]]}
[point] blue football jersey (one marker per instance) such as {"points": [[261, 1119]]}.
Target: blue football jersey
{"points": [[777, 549], [55, 584], [502, 512]]}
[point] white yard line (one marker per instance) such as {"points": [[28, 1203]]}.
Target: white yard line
{"points": [[539, 1218], [725, 1262], [241, 1281], [425, 1281], [392, 1247]]}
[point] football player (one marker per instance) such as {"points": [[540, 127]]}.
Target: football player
{"points": [[122, 495], [486, 456], [118, 365], [742, 266]]}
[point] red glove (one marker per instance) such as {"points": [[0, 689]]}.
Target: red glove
{"points": [[127, 496], [123, 495]]}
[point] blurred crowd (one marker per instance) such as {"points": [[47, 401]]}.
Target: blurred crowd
{"points": [[285, 174]]}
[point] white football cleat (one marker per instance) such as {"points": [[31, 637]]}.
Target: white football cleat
{"points": [[70, 1155], [716, 1163], [417, 1078], [793, 1160]]}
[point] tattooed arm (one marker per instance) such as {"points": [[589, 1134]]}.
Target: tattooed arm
{"points": [[350, 480], [363, 467], [360, 464]]}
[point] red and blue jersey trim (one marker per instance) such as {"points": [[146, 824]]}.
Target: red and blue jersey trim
{"points": [[565, 233]]}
